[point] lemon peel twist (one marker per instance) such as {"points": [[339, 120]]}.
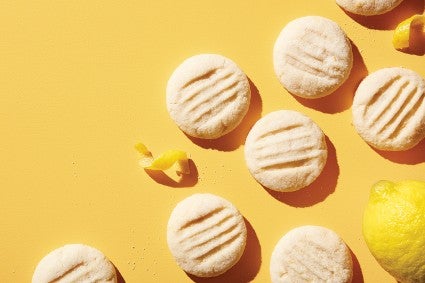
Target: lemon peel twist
{"points": [[168, 159], [405, 30]]}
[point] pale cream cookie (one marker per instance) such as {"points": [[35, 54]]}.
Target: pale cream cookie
{"points": [[285, 151], [207, 96], [75, 263], [389, 109], [312, 57], [206, 235], [311, 254], [368, 7]]}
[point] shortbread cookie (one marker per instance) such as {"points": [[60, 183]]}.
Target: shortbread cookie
{"points": [[74, 263], [208, 96], [311, 254], [206, 235], [312, 57], [389, 109], [285, 151], [368, 7]]}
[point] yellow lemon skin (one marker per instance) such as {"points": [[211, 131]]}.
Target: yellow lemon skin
{"points": [[411, 29], [394, 228], [165, 161]]}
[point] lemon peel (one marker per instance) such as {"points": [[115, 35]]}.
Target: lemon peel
{"points": [[170, 158], [394, 228], [404, 31]]}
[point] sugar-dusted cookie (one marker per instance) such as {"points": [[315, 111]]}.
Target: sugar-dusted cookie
{"points": [[311, 254], [208, 95], [285, 151], [312, 57], [75, 263], [368, 7], [389, 109], [206, 235]]}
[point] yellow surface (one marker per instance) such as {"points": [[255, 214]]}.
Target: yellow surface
{"points": [[81, 82]]}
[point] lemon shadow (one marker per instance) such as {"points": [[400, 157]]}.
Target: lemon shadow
{"points": [[416, 43], [236, 138], [246, 269], [390, 20], [317, 191], [186, 180], [415, 155], [342, 98]]}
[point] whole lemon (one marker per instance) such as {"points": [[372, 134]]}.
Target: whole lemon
{"points": [[394, 228]]}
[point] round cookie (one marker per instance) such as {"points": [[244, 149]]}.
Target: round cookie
{"points": [[75, 263], [285, 151], [389, 109], [206, 235], [312, 57], [368, 7], [208, 96], [311, 254]]}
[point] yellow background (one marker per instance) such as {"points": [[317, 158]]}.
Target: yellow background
{"points": [[82, 81]]}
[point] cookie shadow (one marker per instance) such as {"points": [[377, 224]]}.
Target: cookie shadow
{"points": [[412, 156], [357, 270], [120, 279], [390, 20], [342, 98], [317, 191], [246, 269], [236, 138], [186, 180]]}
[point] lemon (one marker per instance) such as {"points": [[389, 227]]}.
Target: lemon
{"points": [[394, 228], [403, 32], [166, 160]]}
